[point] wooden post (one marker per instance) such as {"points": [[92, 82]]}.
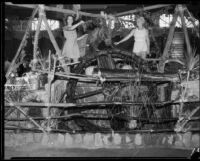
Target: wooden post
{"points": [[22, 42], [49, 93], [49, 30], [168, 42], [181, 11], [35, 45]]}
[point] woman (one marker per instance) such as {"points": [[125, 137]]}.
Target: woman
{"points": [[142, 45], [71, 49]]}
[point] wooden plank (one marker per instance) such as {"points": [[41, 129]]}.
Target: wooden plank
{"points": [[67, 105], [144, 9], [22, 42]]}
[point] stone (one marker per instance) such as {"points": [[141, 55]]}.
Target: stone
{"points": [[164, 140], [179, 141], [117, 139], [52, 140], [29, 138], [88, 140], [98, 140], [45, 140], [78, 139], [37, 137], [196, 140], [60, 140], [19, 139], [106, 139], [68, 140], [138, 139], [187, 139], [9, 140], [127, 139], [170, 139]]}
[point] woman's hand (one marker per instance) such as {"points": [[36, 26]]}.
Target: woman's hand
{"points": [[82, 22], [116, 43]]}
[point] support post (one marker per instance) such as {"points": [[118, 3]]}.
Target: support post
{"points": [[22, 42], [168, 42], [35, 45], [181, 11]]}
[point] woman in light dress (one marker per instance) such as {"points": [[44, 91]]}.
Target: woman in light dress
{"points": [[71, 49], [142, 44]]}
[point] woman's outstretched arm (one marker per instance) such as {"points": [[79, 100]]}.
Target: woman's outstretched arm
{"points": [[126, 38]]}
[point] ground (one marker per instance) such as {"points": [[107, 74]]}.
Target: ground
{"points": [[139, 152]]}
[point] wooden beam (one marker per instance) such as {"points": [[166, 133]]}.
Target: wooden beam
{"points": [[168, 42], [55, 9], [51, 35], [187, 40], [170, 36], [35, 45], [144, 9], [92, 104], [22, 42]]}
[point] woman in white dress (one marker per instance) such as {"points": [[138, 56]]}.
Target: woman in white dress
{"points": [[142, 44], [71, 49]]}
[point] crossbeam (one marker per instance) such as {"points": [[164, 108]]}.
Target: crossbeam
{"points": [[144, 9], [55, 9]]}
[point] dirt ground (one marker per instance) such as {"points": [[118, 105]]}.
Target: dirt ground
{"points": [[55, 152]]}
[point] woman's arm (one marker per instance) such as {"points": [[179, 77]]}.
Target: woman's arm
{"points": [[147, 41], [73, 27], [127, 37], [76, 25]]}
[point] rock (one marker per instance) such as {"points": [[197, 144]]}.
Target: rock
{"points": [[127, 139], [196, 140], [117, 139], [138, 139], [164, 140], [37, 137], [45, 140], [9, 140], [78, 139], [19, 139], [179, 141], [170, 139], [106, 139], [52, 140], [60, 140], [68, 140], [187, 139], [88, 140], [98, 140], [29, 138]]}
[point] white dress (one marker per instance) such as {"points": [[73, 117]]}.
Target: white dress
{"points": [[140, 44], [71, 49]]}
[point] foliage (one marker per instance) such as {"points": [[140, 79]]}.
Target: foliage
{"points": [[191, 60]]}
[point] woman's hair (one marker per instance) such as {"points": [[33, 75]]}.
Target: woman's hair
{"points": [[66, 17]]}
